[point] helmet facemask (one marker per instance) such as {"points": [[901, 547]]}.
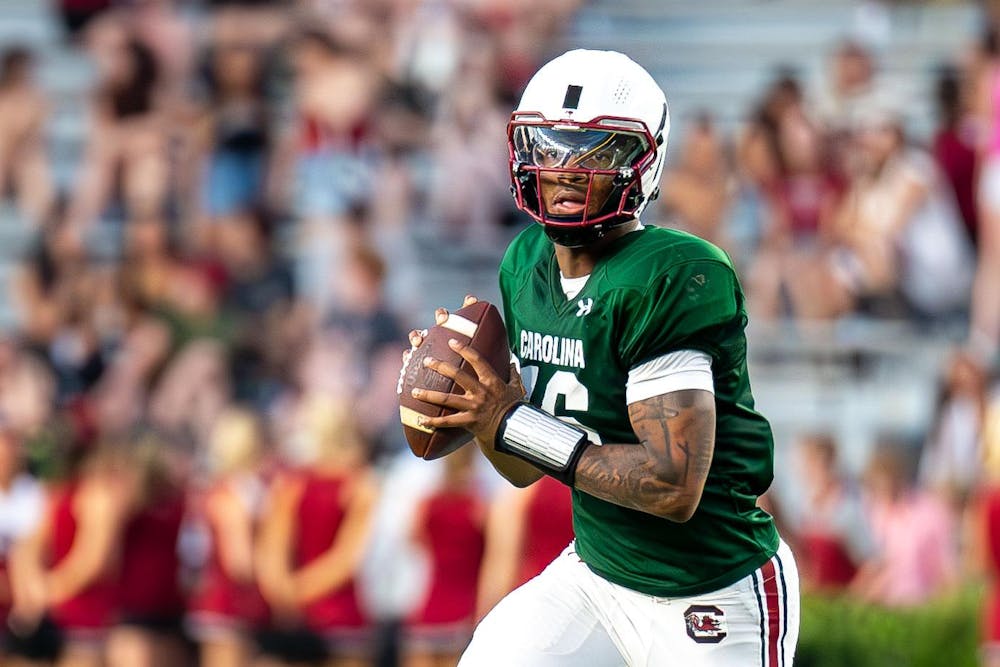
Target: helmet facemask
{"points": [[579, 180]]}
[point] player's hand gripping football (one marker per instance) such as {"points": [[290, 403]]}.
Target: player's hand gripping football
{"points": [[487, 398]]}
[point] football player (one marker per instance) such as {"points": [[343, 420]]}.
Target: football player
{"points": [[631, 348]]}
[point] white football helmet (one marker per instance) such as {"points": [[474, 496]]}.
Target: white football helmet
{"points": [[587, 114]]}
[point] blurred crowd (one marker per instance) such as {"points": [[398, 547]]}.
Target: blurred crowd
{"points": [[199, 452], [831, 209], [200, 459], [920, 521]]}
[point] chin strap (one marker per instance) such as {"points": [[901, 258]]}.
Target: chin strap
{"points": [[578, 237], [575, 237]]}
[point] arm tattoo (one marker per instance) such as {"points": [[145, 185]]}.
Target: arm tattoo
{"points": [[664, 474]]}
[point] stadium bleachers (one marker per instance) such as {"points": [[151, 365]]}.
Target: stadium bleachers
{"points": [[717, 55]]}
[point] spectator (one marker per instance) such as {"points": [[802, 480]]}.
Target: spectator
{"points": [[358, 311], [192, 392], [169, 34], [227, 607], [315, 533], [331, 130], [469, 176], [327, 153], [955, 145], [696, 193], [235, 131], [427, 41], [990, 524], [802, 200], [148, 265], [118, 401], [150, 602], [951, 461], [24, 110], [758, 163], [914, 535], [522, 33], [68, 568], [449, 526], [259, 283], [259, 296], [55, 277], [26, 390], [526, 530], [126, 150], [830, 530], [985, 322], [851, 91], [360, 318], [391, 220], [807, 191], [759, 147], [260, 22], [986, 535], [897, 236]]}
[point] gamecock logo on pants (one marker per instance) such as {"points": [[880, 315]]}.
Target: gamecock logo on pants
{"points": [[705, 624]]}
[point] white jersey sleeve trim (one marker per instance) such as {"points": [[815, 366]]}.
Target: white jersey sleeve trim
{"points": [[674, 371]]}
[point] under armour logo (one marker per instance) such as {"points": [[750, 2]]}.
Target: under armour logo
{"points": [[584, 307]]}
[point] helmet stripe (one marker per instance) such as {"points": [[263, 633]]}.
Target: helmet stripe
{"points": [[572, 98], [663, 122]]}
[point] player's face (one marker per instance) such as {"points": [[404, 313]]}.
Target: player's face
{"points": [[576, 166], [564, 193]]}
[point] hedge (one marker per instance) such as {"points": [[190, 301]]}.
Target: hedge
{"points": [[841, 632]]}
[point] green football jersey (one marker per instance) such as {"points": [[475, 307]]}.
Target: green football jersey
{"points": [[654, 291]]}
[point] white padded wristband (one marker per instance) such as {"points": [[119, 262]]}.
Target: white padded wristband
{"points": [[543, 440]]}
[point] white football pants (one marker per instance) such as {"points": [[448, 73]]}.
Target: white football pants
{"points": [[569, 617]]}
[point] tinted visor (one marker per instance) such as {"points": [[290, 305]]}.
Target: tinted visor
{"points": [[571, 148]]}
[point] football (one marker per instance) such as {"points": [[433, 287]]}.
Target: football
{"points": [[479, 326]]}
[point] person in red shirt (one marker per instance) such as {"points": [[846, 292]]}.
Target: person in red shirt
{"points": [[954, 146], [68, 569], [227, 607], [150, 600], [986, 539], [527, 529], [314, 534], [450, 526], [989, 508], [832, 536]]}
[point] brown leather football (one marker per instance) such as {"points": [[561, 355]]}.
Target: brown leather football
{"points": [[478, 325]]}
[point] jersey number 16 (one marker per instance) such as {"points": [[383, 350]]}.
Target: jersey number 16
{"points": [[565, 384]]}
